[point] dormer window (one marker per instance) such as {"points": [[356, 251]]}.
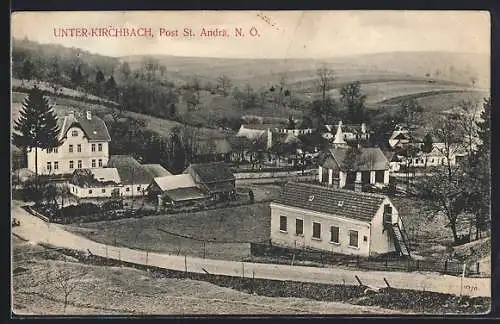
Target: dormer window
{"points": [[74, 133]]}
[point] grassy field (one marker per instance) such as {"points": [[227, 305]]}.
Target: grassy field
{"points": [[126, 291], [218, 234]]}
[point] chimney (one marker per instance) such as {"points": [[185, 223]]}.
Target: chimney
{"points": [[363, 128], [89, 115], [358, 186]]}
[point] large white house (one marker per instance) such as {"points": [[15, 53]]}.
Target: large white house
{"points": [[337, 220], [84, 144]]}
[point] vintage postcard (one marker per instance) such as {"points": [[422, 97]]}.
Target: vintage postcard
{"points": [[250, 163]]}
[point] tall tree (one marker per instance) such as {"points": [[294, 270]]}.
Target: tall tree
{"points": [[324, 84], [224, 84], [354, 102], [427, 145], [28, 69], [36, 127], [125, 70], [448, 132], [409, 114]]}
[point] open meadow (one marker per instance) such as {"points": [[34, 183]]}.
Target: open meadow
{"points": [[128, 291]]}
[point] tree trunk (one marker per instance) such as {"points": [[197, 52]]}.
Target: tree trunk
{"points": [[453, 226], [36, 170]]}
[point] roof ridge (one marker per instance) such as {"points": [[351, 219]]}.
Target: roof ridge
{"points": [[311, 185]]}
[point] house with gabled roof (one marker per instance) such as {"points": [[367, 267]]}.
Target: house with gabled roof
{"points": [[345, 167], [342, 134], [176, 190], [84, 144], [307, 216], [215, 178]]}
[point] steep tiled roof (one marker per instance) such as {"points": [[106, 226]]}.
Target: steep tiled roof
{"points": [[368, 159], [131, 171], [213, 172], [157, 170], [95, 129], [343, 203]]}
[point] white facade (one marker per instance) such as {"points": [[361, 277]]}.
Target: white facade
{"points": [[137, 190], [76, 152], [327, 176], [371, 237]]}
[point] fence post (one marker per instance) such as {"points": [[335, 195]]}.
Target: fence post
{"points": [[242, 269], [357, 260], [146, 257], [418, 264], [203, 249], [386, 258], [445, 266], [477, 267], [185, 265], [293, 259], [106, 251], [119, 256]]}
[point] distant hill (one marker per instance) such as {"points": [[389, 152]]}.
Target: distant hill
{"points": [[458, 68]]}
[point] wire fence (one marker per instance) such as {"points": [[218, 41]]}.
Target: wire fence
{"points": [[282, 255]]}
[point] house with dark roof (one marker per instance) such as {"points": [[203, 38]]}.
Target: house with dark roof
{"points": [[347, 167], [307, 216], [215, 178], [84, 144]]}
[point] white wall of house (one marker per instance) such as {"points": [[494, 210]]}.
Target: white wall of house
{"points": [[289, 238], [136, 190], [58, 161], [381, 242]]}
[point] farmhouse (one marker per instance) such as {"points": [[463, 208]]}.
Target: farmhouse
{"points": [[336, 220], [84, 144], [258, 132], [123, 176], [176, 190], [346, 167], [438, 156], [215, 178]]}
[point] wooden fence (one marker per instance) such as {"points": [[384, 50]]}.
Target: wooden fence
{"points": [[282, 255]]}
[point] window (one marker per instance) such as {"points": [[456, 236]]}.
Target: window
{"points": [[353, 238], [379, 176], [79, 164], [432, 160], [49, 166], [93, 163], [103, 190], [299, 226], [139, 188], [71, 164], [74, 133], [79, 148], [100, 163], [365, 238], [93, 147], [56, 165], [127, 189], [55, 150], [49, 150], [316, 230], [283, 223], [334, 234], [90, 191], [99, 147], [70, 148], [442, 161]]}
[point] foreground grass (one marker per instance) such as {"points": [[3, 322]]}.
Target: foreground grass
{"points": [[127, 291], [218, 234]]}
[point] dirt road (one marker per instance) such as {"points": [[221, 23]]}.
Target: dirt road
{"points": [[37, 231]]}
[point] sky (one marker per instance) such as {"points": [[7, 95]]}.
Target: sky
{"points": [[282, 34]]}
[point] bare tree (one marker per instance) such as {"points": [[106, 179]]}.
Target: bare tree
{"points": [[324, 83], [65, 280], [224, 84], [448, 132], [468, 117]]}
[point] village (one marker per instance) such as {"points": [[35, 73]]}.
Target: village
{"points": [[171, 184]]}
